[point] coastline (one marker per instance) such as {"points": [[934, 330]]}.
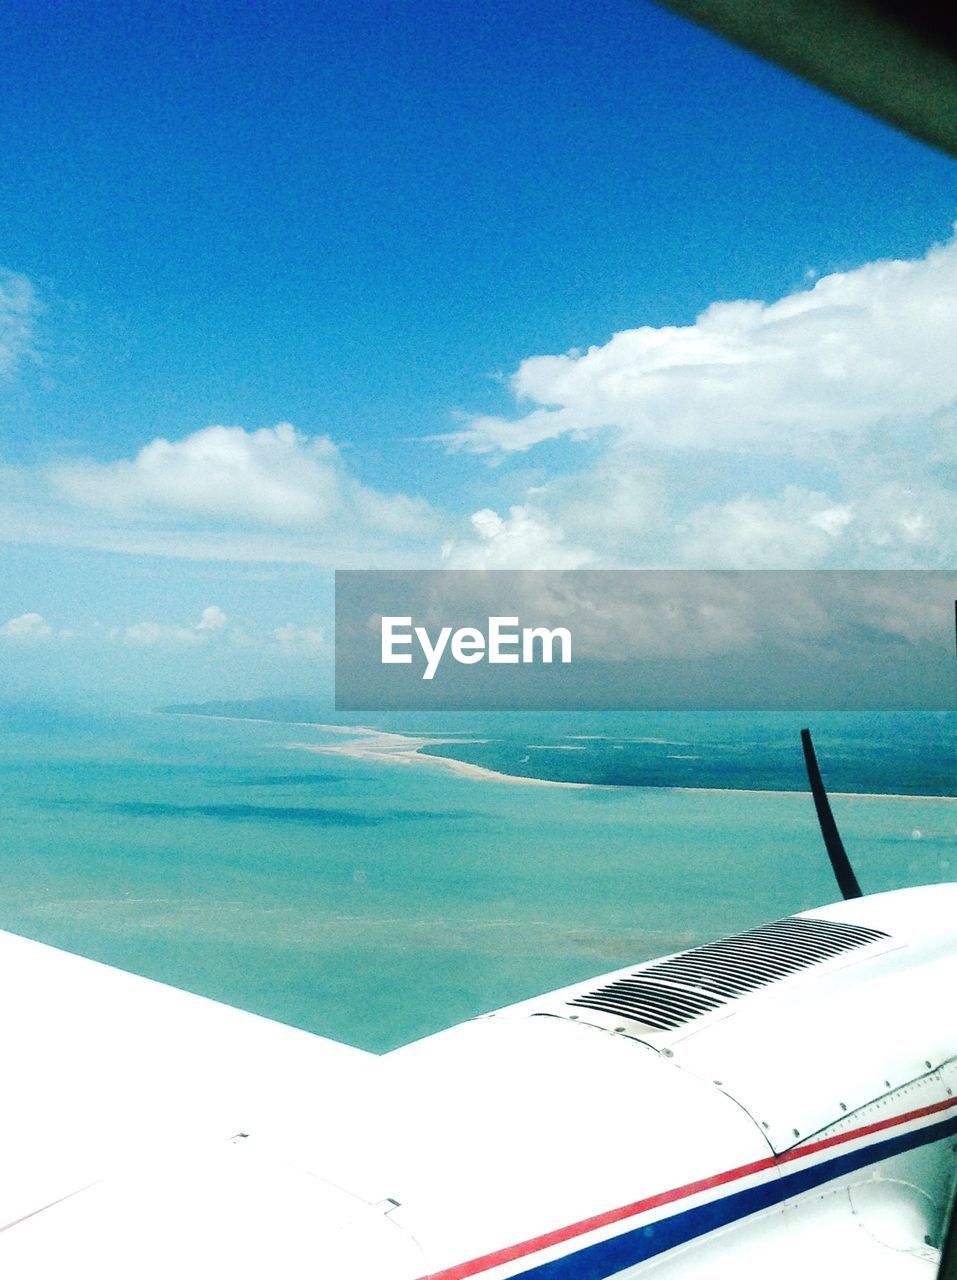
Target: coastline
{"points": [[399, 748], [390, 747]]}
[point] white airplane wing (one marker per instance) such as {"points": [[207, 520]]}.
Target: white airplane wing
{"points": [[145, 1131], [632, 1125]]}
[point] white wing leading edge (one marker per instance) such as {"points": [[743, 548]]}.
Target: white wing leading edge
{"points": [[148, 1132]]}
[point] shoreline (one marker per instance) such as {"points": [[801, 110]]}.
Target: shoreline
{"points": [[398, 748], [390, 747]]}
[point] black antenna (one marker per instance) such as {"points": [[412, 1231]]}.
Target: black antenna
{"points": [[840, 863]]}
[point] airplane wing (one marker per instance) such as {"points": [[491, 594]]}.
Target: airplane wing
{"points": [[154, 1132], [825, 1238], [632, 1124]]}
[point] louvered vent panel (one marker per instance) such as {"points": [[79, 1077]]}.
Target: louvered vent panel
{"points": [[652, 1003], [668, 994]]}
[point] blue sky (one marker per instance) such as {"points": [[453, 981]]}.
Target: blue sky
{"points": [[386, 224]]}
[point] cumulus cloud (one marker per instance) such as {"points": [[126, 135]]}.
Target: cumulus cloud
{"points": [[212, 629], [28, 628], [148, 635], [816, 431], [211, 619], [18, 309], [796, 529], [221, 493], [523, 538], [823, 364], [276, 477], [860, 522]]}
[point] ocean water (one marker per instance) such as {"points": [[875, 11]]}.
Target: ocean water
{"points": [[378, 899]]}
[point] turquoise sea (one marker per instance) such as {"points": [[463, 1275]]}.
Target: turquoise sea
{"points": [[376, 900]]}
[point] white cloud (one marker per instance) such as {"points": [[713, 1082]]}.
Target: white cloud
{"points": [[822, 364], [276, 477], [18, 308], [27, 628], [795, 529], [817, 431], [860, 524], [221, 493], [148, 635], [524, 538], [212, 629], [211, 619]]}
